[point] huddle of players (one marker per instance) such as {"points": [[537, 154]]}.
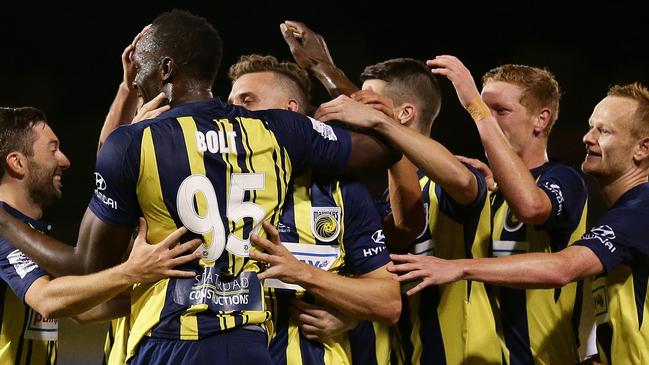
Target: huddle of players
{"points": [[437, 204]]}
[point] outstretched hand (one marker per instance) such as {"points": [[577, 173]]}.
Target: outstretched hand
{"points": [[458, 74], [429, 269], [484, 170], [308, 47], [152, 262], [281, 263]]}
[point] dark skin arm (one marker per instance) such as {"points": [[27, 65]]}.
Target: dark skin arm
{"points": [[311, 53], [99, 245]]}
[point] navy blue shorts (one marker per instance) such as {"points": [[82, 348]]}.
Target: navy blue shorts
{"points": [[239, 346]]}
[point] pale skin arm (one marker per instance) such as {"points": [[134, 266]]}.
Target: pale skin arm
{"points": [[434, 159], [311, 53], [527, 271], [407, 218], [319, 322], [351, 295], [69, 295], [530, 203], [116, 307]]}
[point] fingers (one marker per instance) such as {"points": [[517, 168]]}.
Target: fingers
{"points": [[189, 245], [403, 258], [261, 256], [173, 238], [180, 274], [416, 289], [289, 37], [261, 243], [272, 232]]}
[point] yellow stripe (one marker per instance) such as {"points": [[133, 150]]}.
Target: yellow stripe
{"points": [[293, 351], [148, 299], [302, 208], [382, 342], [338, 199]]}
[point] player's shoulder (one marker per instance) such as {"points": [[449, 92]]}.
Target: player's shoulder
{"points": [[559, 168]]}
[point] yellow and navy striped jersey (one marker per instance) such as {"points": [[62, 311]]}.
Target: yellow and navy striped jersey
{"points": [[26, 336], [452, 323], [219, 170], [540, 326], [116, 341], [323, 211], [619, 239]]}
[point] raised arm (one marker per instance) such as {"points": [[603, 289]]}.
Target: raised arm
{"points": [[434, 159], [529, 202], [71, 295], [311, 53], [124, 109]]}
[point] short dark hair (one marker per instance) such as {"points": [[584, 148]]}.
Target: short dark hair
{"points": [[191, 41], [409, 80], [292, 71], [16, 132]]}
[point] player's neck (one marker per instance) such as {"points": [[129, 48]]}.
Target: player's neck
{"points": [[188, 93], [534, 156], [17, 197], [612, 190]]}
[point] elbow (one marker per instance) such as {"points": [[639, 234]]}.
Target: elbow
{"points": [[563, 274], [531, 212], [49, 310], [393, 314], [392, 309]]}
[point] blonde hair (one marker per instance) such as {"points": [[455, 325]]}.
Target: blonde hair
{"points": [[540, 89], [640, 94]]}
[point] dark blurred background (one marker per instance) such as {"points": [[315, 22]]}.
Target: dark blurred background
{"points": [[66, 60]]}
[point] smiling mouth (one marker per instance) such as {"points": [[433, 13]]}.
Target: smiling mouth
{"points": [[592, 153]]}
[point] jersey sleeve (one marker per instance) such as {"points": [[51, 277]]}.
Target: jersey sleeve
{"points": [[17, 270], [456, 210], [567, 193], [363, 239], [114, 200], [615, 238], [311, 143]]}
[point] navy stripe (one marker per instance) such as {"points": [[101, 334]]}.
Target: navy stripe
{"points": [[280, 190], [279, 343], [515, 327], [362, 341], [576, 311], [404, 328], [288, 219], [312, 351], [430, 332], [604, 337], [640, 275]]}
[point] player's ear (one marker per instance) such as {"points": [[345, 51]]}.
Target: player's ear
{"points": [[167, 69], [641, 154]]}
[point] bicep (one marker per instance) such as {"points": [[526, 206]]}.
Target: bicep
{"points": [[101, 245], [380, 273]]}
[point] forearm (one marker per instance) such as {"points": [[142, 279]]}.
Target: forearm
{"points": [[121, 111], [407, 219], [517, 185], [71, 295], [57, 258], [334, 80], [434, 159], [110, 309], [363, 298], [529, 271]]}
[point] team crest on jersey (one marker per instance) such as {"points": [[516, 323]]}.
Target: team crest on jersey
{"points": [[325, 223], [512, 223]]}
